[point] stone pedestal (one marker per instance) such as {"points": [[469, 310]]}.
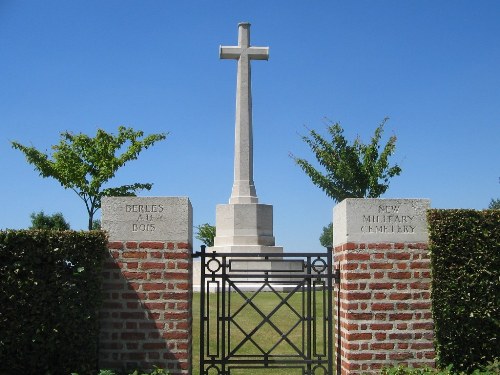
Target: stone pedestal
{"points": [[245, 228]]}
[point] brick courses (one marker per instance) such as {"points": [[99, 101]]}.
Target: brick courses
{"points": [[146, 315], [385, 306]]}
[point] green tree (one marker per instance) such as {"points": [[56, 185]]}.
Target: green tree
{"points": [[55, 221], [84, 164], [326, 238], [351, 170], [96, 224], [206, 234], [494, 204]]}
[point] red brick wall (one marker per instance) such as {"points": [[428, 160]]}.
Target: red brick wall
{"points": [[146, 314], [385, 306]]}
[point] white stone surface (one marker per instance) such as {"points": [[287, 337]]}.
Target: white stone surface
{"points": [[380, 220], [244, 225], [243, 187], [259, 265], [247, 249], [148, 218]]}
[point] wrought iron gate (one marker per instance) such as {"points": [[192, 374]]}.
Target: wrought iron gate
{"points": [[266, 311]]}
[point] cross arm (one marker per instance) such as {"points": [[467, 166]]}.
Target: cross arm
{"points": [[258, 53], [254, 53], [230, 52]]}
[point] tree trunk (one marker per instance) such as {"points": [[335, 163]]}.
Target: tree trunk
{"points": [[91, 219]]}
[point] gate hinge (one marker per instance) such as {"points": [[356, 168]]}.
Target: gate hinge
{"points": [[336, 276]]}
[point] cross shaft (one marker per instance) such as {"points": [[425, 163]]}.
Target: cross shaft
{"points": [[243, 187]]}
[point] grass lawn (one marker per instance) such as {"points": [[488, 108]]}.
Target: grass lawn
{"points": [[246, 318]]}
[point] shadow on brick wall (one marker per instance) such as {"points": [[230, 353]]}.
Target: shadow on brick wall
{"points": [[143, 322]]}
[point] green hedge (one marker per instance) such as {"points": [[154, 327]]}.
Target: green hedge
{"points": [[492, 368], [465, 260], [49, 298]]}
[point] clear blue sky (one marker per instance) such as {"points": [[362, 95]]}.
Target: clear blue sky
{"points": [[433, 67]]}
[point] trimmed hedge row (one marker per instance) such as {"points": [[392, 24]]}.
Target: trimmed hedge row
{"points": [[465, 261], [49, 298], [492, 368]]}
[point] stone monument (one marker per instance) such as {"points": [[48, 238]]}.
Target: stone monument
{"points": [[244, 225]]}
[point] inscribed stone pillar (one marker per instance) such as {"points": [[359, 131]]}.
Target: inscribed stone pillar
{"points": [[383, 304], [146, 314]]}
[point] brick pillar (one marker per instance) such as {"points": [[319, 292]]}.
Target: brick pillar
{"points": [[146, 316], [384, 298]]}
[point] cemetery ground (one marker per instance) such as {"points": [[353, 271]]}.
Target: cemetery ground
{"points": [[248, 318]]}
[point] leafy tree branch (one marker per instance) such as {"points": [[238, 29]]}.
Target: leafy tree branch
{"points": [[349, 170], [84, 164], [206, 234]]}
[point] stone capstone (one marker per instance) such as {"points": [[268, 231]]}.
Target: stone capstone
{"points": [[380, 220]]}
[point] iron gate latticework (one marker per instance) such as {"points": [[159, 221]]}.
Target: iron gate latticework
{"points": [[264, 311]]}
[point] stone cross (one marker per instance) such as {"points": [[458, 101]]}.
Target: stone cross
{"points": [[243, 186]]}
